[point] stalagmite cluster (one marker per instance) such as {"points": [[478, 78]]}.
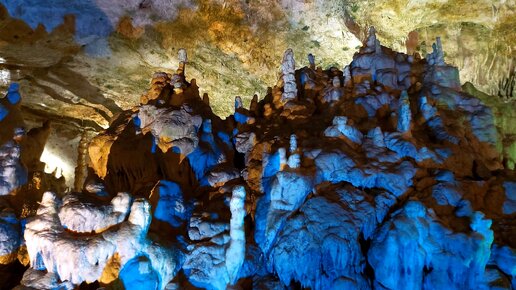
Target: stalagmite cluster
{"points": [[382, 176]]}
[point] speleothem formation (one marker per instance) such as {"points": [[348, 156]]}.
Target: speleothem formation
{"points": [[382, 175]]}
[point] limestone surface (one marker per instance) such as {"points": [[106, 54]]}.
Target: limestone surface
{"points": [[383, 176]]}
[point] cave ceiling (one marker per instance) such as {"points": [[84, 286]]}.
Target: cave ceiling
{"points": [[86, 61]]}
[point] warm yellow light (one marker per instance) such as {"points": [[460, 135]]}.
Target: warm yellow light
{"points": [[55, 164]]}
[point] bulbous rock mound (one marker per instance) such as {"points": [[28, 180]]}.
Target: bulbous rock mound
{"points": [[380, 176]]}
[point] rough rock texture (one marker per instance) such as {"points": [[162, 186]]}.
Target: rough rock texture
{"points": [[12, 173], [170, 128], [382, 176], [83, 217], [75, 259], [483, 62], [88, 59], [10, 239], [80, 64]]}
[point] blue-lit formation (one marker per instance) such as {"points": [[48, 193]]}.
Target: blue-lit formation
{"points": [[381, 176]]}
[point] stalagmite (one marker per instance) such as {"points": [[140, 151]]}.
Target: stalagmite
{"points": [[235, 254], [288, 67], [404, 114]]}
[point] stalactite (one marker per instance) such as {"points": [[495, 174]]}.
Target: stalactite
{"points": [[81, 170]]}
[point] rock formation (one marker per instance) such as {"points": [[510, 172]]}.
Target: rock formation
{"points": [[384, 176]]}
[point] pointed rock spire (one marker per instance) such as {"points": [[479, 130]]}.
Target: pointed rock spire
{"points": [[437, 55], [288, 70], [404, 114], [346, 74], [371, 44], [179, 77], [238, 103], [183, 58], [311, 60], [253, 107]]}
